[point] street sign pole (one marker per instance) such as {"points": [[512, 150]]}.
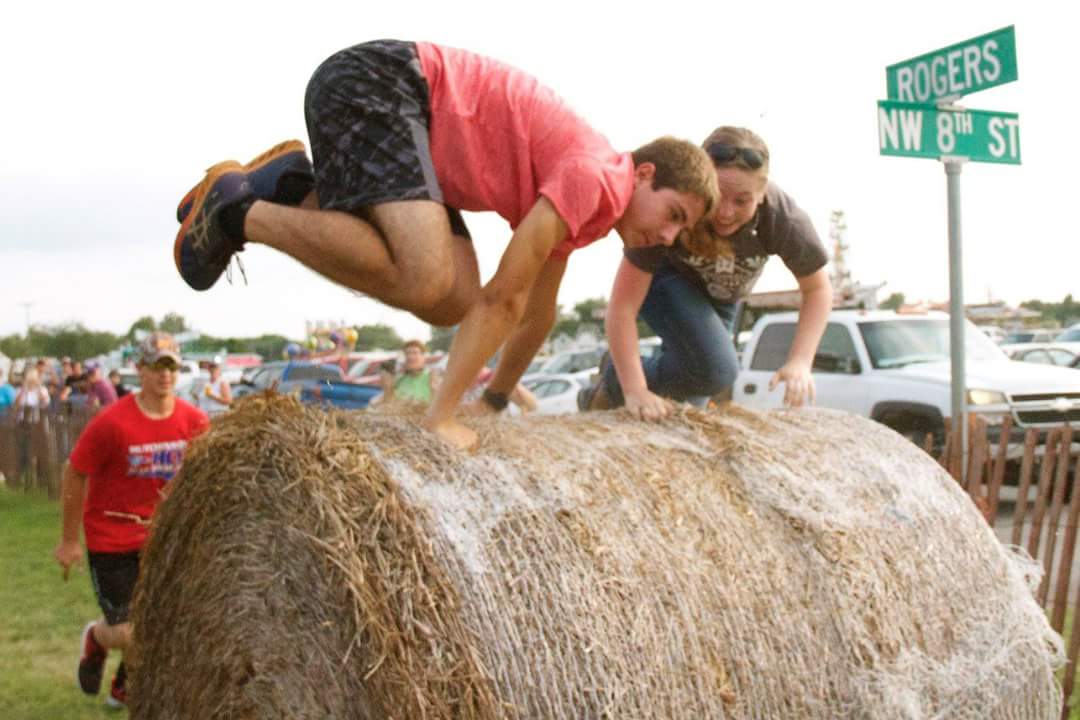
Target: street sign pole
{"points": [[956, 312], [919, 120]]}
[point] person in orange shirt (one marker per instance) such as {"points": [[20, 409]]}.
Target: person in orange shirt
{"points": [[404, 136]]}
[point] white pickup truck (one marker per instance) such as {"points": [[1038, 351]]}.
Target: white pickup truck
{"points": [[895, 369]]}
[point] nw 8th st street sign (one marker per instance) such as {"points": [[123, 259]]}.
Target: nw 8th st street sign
{"points": [[915, 130], [916, 122]]}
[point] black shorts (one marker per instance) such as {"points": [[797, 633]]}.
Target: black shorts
{"points": [[114, 576], [368, 111]]}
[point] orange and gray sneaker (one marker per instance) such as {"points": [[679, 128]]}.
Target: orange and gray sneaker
{"points": [[283, 175], [204, 246]]}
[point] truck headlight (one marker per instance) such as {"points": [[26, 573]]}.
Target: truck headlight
{"points": [[986, 397]]}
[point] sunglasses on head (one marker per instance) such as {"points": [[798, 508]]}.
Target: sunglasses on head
{"points": [[724, 154], [164, 364]]}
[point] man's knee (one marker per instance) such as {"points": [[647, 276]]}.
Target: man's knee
{"points": [[427, 288]]}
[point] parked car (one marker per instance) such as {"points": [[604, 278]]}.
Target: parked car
{"points": [[129, 378], [366, 370], [1044, 354], [1032, 335], [555, 394], [894, 368], [315, 383], [993, 332], [585, 363], [574, 361], [1069, 339]]}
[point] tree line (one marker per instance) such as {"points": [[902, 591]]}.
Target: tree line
{"points": [[77, 341]]}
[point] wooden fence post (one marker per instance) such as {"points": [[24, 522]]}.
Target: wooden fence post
{"points": [[1045, 481]]}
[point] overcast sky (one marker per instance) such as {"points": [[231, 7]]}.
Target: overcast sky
{"points": [[112, 110]]}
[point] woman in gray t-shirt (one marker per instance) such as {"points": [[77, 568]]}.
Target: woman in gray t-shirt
{"points": [[688, 292]]}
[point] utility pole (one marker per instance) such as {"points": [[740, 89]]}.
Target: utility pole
{"points": [[26, 308]]}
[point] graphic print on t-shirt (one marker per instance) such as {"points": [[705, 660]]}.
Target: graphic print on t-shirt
{"points": [[727, 279], [158, 461]]}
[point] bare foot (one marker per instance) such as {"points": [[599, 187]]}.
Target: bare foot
{"points": [[456, 434]]}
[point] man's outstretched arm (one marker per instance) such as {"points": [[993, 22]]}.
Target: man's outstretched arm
{"points": [[497, 311], [529, 335]]}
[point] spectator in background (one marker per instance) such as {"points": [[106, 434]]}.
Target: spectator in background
{"points": [[74, 382], [31, 406], [118, 386], [113, 483], [99, 391], [7, 394], [216, 395], [416, 383], [32, 398]]}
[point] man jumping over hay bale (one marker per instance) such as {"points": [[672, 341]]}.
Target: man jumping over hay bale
{"points": [[113, 484], [404, 136]]}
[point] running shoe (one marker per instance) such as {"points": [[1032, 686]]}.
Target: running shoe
{"points": [[283, 174], [203, 248], [91, 661]]}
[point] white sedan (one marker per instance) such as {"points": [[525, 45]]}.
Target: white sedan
{"points": [[555, 394]]}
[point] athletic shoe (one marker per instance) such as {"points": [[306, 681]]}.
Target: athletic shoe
{"points": [[117, 697], [203, 249], [283, 174], [595, 396], [91, 661]]}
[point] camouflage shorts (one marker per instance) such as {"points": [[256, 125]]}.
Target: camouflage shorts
{"points": [[367, 109]]}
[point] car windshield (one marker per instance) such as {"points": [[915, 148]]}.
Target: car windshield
{"points": [[920, 340], [1070, 335]]}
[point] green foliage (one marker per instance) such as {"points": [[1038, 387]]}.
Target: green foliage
{"points": [[145, 323], [270, 347], [173, 323], [43, 617], [71, 339], [588, 315], [377, 337], [15, 346], [893, 302], [1063, 314]]}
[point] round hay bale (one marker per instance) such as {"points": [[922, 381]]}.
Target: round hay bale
{"points": [[804, 564]]}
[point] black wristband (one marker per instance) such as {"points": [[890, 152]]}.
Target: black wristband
{"points": [[496, 400]]}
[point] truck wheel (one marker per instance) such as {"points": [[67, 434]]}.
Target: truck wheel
{"points": [[916, 429]]}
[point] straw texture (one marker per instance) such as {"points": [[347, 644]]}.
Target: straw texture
{"points": [[732, 564]]}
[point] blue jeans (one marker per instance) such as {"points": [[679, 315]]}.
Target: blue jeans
{"points": [[697, 357]]}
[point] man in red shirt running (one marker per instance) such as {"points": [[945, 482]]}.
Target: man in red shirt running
{"points": [[404, 136], [113, 482]]}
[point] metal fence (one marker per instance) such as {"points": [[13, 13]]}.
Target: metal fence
{"points": [[35, 445]]}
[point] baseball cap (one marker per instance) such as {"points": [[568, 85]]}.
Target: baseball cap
{"points": [[158, 345]]}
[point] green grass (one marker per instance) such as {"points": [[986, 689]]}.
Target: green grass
{"points": [[42, 618]]}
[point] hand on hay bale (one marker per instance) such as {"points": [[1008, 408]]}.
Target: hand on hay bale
{"points": [[647, 405]]}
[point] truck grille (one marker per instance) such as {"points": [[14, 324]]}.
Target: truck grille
{"points": [[1045, 397], [1047, 417]]}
